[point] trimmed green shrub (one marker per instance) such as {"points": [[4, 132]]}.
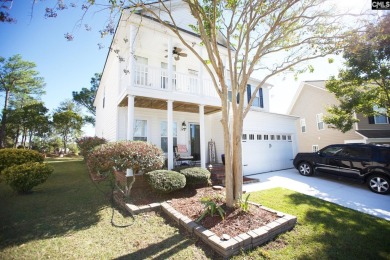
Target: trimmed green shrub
{"points": [[196, 176], [136, 155], [165, 181], [87, 144], [11, 156], [22, 178]]}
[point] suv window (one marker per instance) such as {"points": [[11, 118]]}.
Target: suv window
{"points": [[384, 155], [354, 152], [332, 151]]}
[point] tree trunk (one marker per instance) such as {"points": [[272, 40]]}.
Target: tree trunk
{"points": [[237, 155], [30, 139], [24, 137], [64, 141], [16, 137], [229, 181], [4, 120]]}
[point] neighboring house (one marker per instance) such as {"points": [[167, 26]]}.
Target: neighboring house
{"points": [[153, 89], [310, 103]]}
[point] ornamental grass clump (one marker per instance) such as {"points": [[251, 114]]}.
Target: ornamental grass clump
{"points": [[87, 144], [139, 156], [165, 181]]}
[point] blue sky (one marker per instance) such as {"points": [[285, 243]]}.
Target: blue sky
{"points": [[65, 65]]}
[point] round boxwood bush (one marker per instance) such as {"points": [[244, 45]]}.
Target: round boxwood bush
{"points": [[196, 176], [11, 156], [22, 178], [165, 181]]}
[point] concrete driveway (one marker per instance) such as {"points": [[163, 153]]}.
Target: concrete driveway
{"points": [[352, 195]]}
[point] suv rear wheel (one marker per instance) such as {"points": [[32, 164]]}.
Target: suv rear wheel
{"points": [[379, 183], [305, 169]]}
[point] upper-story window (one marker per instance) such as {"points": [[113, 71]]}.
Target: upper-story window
{"points": [[320, 121], [164, 75], [140, 130], [258, 100], [303, 125], [380, 119], [141, 71], [193, 82]]}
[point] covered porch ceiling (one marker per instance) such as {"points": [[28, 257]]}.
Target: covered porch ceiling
{"points": [[161, 104]]}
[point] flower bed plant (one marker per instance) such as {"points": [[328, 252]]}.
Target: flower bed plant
{"points": [[165, 181], [196, 176], [139, 156], [87, 144]]}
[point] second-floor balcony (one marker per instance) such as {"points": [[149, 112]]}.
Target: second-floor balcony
{"points": [[154, 78]]}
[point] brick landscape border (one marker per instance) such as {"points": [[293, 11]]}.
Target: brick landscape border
{"points": [[225, 248]]}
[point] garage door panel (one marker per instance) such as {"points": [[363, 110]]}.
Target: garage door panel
{"points": [[266, 155]]}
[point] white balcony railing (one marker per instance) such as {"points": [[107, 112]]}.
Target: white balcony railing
{"points": [[157, 78]]}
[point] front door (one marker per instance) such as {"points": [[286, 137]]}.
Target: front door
{"points": [[195, 140]]}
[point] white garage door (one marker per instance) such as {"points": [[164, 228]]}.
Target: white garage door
{"points": [[266, 152]]}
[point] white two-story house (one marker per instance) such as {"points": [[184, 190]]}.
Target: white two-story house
{"points": [[153, 89]]}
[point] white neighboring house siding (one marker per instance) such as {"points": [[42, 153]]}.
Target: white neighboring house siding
{"points": [[108, 91]]}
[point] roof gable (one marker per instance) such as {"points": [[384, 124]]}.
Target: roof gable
{"points": [[317, 84]]}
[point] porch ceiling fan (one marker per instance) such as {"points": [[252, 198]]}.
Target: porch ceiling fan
{"points": [[177, 52]]}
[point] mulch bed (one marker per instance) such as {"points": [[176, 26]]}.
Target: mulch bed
{"points": [[187, 202]]}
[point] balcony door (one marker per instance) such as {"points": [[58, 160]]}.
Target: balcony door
{"points": [[195, 140], [164, 76]]}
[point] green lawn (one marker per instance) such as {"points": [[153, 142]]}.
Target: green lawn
{"points": [[69, 217]]}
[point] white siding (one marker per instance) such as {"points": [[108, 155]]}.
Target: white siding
{"points": [[107, 117]]}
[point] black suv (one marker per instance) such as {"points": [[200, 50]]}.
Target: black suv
{"points": [[362, 162]]}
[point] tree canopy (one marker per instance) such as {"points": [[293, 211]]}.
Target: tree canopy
{"points": [[86, 97], [67, 122], [363, 87], [17, 77]]}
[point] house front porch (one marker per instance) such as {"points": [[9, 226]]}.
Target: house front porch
{"points": [[167, 123]]}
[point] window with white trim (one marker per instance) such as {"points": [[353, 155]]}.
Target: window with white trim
{"points": [[251, 137], [265, 137], [380, 119], [320, 121], [314, 148], [303, 125], [141, 71], [140, 130], [259, 137], [164, 135]]}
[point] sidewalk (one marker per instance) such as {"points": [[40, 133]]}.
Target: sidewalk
{"points": [[352, 195]]}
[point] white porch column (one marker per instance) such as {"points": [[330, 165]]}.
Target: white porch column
{"points": [[202, 137], [170, 133], [131, 55], [130, 117], [170, 64]]}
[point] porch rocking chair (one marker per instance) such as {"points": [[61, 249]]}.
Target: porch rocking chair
{"points": [[181, 155]]}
